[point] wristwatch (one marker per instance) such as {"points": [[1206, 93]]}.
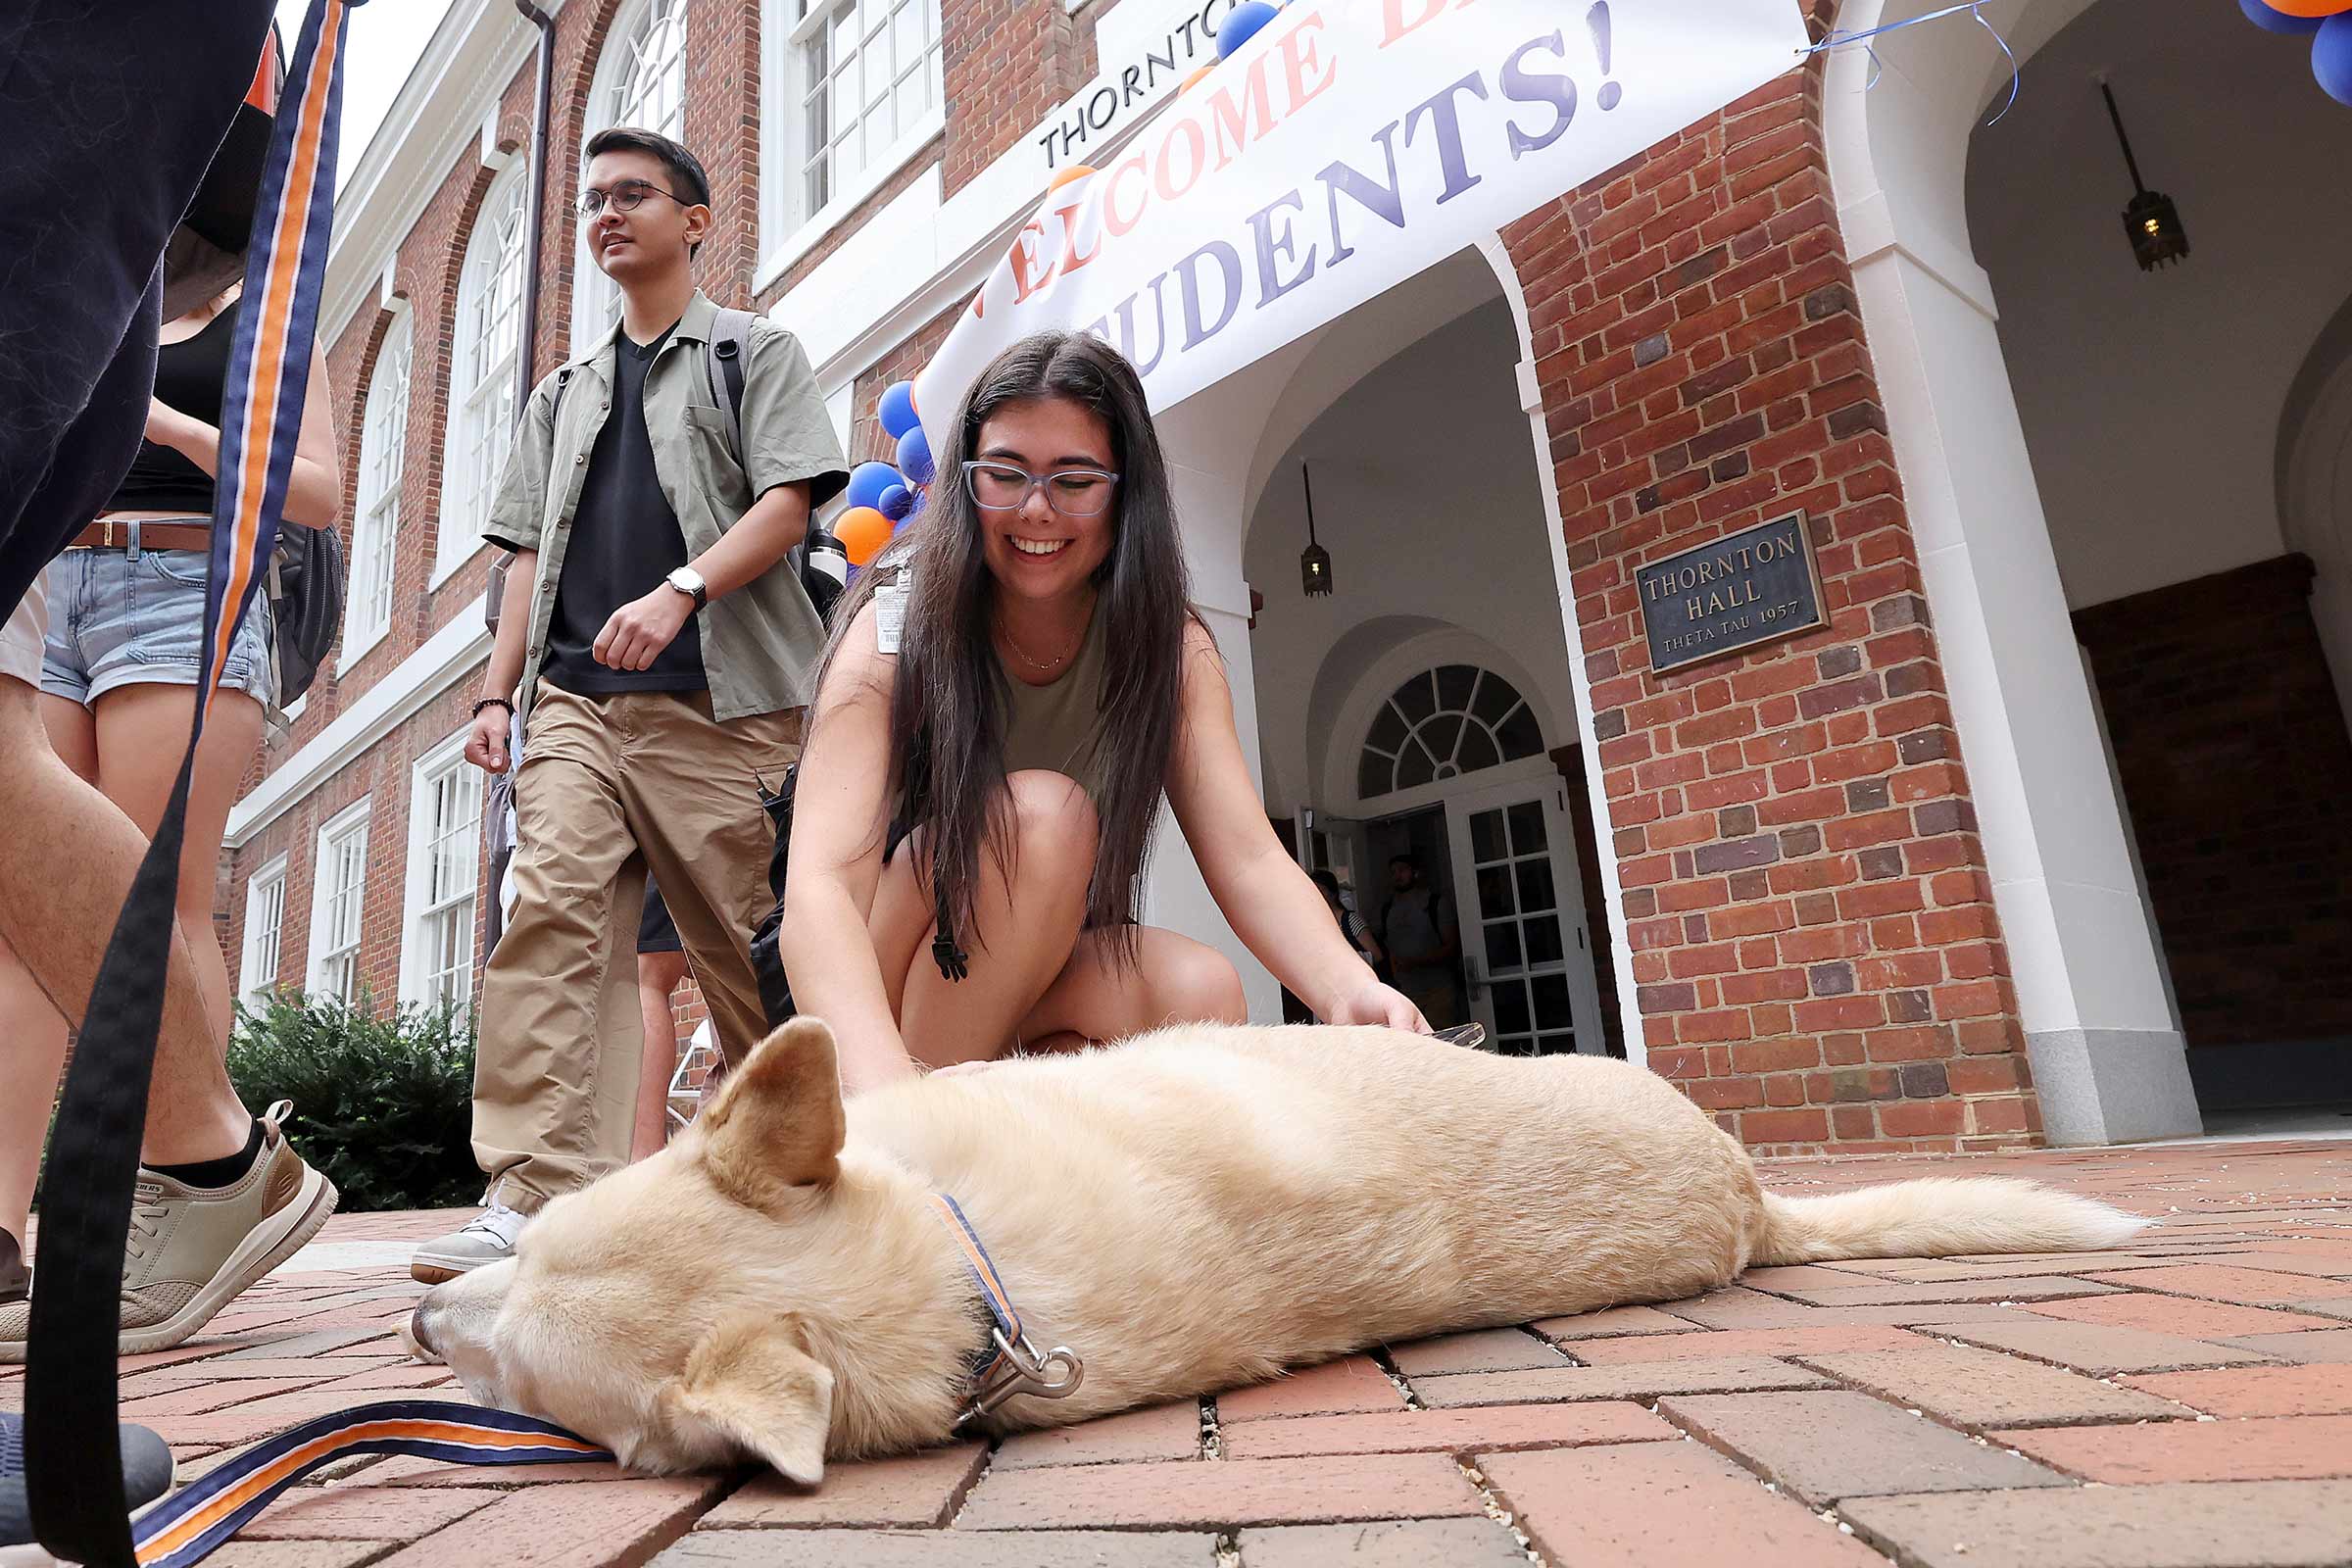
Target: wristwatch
{"points": [[689, 582]]}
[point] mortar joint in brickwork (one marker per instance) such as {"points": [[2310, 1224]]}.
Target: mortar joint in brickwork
{"points": [[1387, 1362], [1495, 1510]]}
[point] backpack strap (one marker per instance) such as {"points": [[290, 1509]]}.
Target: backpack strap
{"points": [[729, 349]]}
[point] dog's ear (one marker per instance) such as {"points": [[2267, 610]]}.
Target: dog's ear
{"points": [[751, 1382], [777, 1122]]}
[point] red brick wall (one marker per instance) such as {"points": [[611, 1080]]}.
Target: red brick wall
{"points": [[1812, 928], [381, 776], [1005, 63], [2235, 761], [868, 441]]}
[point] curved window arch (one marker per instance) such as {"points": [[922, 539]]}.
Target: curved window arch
{"points": [[1445, 721], [641, 81], [376, 521], [481, 371]]}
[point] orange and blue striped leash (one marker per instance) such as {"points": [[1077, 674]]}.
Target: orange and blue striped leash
{"points": [[1011, 1364], [73, 1462], [182, 1529]]}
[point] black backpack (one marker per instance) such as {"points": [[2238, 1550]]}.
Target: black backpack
{"points": [[306, 588]]}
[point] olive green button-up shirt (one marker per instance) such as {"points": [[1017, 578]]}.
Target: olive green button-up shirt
{"points": [[761, 642]]}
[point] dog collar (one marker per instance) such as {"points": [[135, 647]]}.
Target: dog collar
{"points": [[1010, 1364]]}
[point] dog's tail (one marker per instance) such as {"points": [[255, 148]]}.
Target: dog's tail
{"points": [[1938, 1217]]}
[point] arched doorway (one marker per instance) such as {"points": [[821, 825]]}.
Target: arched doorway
{"points": [[2090, 456], [1439, 772], [1233, 455]]}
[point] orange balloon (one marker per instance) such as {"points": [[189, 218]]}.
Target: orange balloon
{"points": [[862, 532], [1194, 79], [2309, 8], [1079, 171]]}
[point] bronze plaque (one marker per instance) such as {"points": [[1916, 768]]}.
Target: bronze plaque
{"points": [[1730, 593]]}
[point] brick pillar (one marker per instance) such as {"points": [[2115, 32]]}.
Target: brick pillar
{"points": [[1005, 63], [1814, 941]]}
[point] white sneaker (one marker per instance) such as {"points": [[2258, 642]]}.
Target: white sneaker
{"points": [[489, 1238]]}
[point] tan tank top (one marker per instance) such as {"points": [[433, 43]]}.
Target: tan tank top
{"points": [[1050, 727]]}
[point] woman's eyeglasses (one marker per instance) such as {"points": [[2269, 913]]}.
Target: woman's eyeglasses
{"points": [[625, 197], [1072, 492]]}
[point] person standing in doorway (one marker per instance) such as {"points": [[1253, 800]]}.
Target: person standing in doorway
{"points": [[1423, 942], [659, 649], [1350, 921]]}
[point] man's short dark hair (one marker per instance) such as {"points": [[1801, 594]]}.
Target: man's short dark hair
{"points": [[686, 176], [1412, 862]]}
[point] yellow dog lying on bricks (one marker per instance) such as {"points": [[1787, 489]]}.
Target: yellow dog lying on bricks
{"points": [[1189, 1211]]}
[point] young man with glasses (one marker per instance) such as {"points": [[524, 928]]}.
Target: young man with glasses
{"points": [[657, 648]]}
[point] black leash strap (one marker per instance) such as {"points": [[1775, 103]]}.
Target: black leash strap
{"points": [[74, 1468]]}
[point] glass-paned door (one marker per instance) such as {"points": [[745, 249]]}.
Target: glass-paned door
{"points": [[1524, 944]]}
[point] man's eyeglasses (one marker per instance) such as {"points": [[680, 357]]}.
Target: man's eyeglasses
{"points": [[625, 197], [1072, 492]]}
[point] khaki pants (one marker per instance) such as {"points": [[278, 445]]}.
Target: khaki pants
{"points": [[610, 786]]}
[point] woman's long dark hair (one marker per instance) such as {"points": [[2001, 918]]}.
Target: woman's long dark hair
{"points": [[947, 724]]}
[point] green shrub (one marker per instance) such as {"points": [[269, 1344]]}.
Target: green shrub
{"points": [[383, 1102]]}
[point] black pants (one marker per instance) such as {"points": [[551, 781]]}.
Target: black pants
{"points": [[110, 112]]}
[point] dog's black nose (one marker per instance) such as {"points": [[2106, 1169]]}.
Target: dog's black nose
{"points": [[416, 1332]]}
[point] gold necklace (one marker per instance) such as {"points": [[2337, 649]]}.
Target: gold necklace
{"points": [[1025, 653]]}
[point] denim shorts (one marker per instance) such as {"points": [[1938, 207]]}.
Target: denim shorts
{"points": [[120, 620], [26, 635]]}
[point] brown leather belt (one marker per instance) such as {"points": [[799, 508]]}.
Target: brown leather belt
{"points": [[114, 534]]}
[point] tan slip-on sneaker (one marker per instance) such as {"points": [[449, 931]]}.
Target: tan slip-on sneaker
{"points": [[194, 1248]]}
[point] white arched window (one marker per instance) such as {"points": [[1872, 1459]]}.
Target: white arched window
{"points": [[375, 521], [481, 371], [849, 91], [640, 81], [1442, 723]]}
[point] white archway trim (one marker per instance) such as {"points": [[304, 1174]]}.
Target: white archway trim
{"points": [[1379, 680], [2106, 1054], [1507, 275]]}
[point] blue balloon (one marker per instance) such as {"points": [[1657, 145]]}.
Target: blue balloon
{"points": [[895, 503], [897, 409], [2269, 20], [2332, 57], [1241, 24], [915, 456], [868, 480]]}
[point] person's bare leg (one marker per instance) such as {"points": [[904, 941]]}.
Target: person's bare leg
{"points": [[1174, 980], [137, 776], [658, 975], [60, 888], [1022, 937], [35, 1033], [34, 1029]]}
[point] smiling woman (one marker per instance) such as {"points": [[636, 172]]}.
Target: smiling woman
{"points": [[1009, 695]]}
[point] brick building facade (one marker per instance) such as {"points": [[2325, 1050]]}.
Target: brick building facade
{"points": [[1804, 923]]}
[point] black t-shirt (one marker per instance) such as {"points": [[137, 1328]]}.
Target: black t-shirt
{"points": [[624, 540], [188, 377]]}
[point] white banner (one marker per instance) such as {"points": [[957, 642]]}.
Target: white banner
{"points": [[1348, 146]]}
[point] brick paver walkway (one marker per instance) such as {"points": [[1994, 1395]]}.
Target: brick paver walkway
{"points": [[2187, 1400]]}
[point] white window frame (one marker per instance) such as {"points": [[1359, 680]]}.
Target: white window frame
{"points": [[376, 517], [481, 371], [421, 908], [270, 882], [348, 825], [788, 228], [623, 89]]}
